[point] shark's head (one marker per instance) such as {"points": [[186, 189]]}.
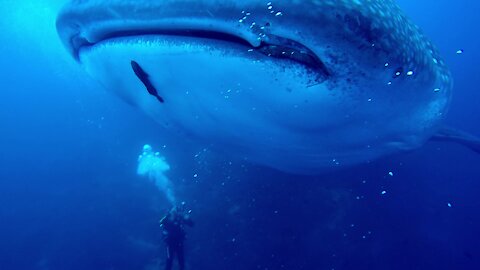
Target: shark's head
{"points": [[297, 85]]}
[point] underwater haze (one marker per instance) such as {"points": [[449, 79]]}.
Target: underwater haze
{"points": [[85, 177]]}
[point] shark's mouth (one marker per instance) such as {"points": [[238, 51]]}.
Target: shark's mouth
{"points": [[272, 46]]}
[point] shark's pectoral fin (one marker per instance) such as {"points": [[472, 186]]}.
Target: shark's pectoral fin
{"points": [[447, 134]]}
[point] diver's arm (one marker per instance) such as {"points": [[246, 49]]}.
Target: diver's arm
{"points": [[162, 221]]}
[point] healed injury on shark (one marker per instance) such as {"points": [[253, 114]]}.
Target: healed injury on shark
{"points": [[301, 86]]}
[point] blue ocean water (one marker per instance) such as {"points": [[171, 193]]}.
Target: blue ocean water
{"points": [[70, 196]]}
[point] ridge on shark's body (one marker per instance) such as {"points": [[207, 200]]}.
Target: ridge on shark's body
{"points": [[301, 86]]}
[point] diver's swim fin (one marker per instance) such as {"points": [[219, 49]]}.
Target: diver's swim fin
{"points": [[448, 134]]}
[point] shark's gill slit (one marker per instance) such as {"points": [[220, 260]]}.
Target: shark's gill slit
{"points": [[144, 78], [272, 46]]}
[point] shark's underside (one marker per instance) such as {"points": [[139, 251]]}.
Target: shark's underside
{"points": [[302, 86]]}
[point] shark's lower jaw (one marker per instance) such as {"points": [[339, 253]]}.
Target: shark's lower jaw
{"points": [[274, 47], [198, 62]]}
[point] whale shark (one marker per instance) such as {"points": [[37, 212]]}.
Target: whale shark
{"points": [[300, 86]]}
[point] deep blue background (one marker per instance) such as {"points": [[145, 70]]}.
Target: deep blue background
{"points": [[70, 197]]}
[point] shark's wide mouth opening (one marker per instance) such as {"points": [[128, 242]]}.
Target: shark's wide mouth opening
{"points": [[272, 46]]}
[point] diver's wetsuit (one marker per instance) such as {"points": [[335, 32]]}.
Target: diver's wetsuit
{"points": [[173, 230]]}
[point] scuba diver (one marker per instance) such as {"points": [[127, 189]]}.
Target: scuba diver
{"points": [[173, 226]]}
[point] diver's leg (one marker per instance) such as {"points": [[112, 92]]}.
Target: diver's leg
{"points": [[169, 262], [181, 256]]}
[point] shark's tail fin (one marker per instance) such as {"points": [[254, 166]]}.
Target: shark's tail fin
{"points": [[448, 134]]}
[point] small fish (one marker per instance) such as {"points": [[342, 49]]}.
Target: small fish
{"points": [[143, 77]]}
